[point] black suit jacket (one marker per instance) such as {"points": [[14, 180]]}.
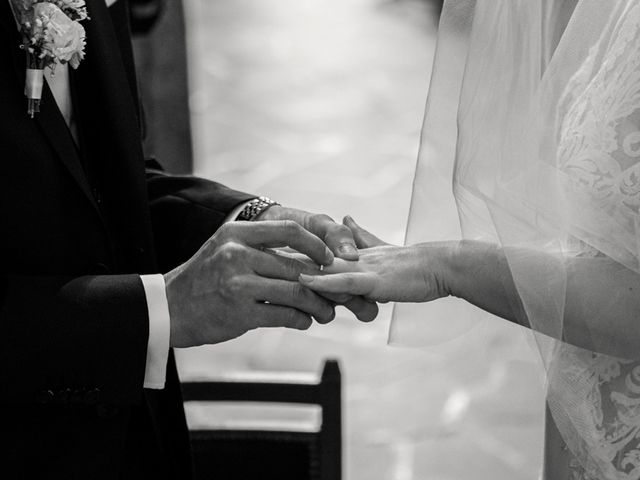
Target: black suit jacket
{"points": [[78, 224]]}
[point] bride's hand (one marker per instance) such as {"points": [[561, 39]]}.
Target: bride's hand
{"points": [[364, 310], [386, 272]]}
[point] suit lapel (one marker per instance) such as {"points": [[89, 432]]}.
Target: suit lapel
{"points": [[105, 64], [109, 112], [54, 127]]}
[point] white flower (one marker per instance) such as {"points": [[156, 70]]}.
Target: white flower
{"points": [[75, 9], [63, 38]]}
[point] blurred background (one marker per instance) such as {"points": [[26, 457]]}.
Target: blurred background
{"points": [[319, 104]]}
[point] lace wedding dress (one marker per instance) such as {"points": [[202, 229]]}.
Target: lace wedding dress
{"points": [[534, 111], [599, 150]]}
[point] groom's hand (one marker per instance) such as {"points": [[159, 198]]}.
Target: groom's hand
{"points": [[232, 285], [341, 241], [337, 237]]}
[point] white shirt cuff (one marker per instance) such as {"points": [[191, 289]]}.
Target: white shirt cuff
{"points": [[236, 211], [159, 331], [159, 322]]}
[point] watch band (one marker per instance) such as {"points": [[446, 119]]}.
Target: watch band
{"points": [[254, 208]]}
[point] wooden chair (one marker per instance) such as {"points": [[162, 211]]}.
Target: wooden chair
{"points": [[247, 454]]}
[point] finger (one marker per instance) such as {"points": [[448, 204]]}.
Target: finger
{"points": [[364, 310], [270, 264], [338, 237], [355, 283], [337, 298], [284, 233], [341, 266], [301, 258], [292, 294], [362, 237], [279, 316]]}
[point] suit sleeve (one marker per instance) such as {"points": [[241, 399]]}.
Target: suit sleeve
{"points": [[185, 212], [73, 340]]}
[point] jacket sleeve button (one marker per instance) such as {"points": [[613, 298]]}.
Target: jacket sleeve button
{"points": [[105, 410], [77, 396], [92, 396], [64, 396], [45, 397]]}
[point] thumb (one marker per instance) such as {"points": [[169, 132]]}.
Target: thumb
{"points": [[362, 237]]}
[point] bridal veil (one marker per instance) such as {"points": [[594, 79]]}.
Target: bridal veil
{"points": [[534, 112]]}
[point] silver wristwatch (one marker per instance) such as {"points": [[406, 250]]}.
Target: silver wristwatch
{"points": [[255, 207]]}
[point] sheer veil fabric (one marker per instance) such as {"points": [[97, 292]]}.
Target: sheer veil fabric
{"points": [[534, 112]]}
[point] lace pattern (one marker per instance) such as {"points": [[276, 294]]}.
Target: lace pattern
{"points": [[599, 145], [610, 411], [599, 152]]}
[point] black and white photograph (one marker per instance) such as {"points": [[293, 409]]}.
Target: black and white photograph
{"points": [[320, 239]]}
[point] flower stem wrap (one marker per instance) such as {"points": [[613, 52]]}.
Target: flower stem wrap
{"points": [[34, 83]]}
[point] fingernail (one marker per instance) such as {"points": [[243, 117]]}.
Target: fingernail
{"points": [[305, 278], [348, 249]]}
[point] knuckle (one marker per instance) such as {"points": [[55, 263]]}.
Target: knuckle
{"points": [[226, 229], [320, 219], [297, 291], [233, 287], [342, 231], [291, 269], [291, 227], [230, 252]]}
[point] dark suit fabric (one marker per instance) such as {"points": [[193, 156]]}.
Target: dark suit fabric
{"points": [[78, 224]]}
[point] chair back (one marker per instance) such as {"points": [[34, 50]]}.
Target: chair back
{"points": [[266, 454]]}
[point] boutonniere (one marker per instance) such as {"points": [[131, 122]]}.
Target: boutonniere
{"points": [[51, 35]]}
